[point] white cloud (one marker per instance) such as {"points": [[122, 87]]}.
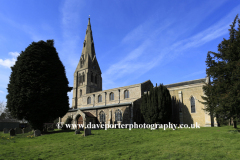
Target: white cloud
{"points": [[14, 54], [193, 74], [9, 62], [1, 91], [159, 46]]}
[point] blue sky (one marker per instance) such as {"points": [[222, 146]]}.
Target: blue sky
{"points": [[164, 41]]}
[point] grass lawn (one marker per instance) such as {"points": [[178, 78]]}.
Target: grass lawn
{"points": [[203, 143]]}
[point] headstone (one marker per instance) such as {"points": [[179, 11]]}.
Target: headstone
{"points": [[5, 130], [24, 130], [77, 131], [37, 133], [87, 131], [18, 131], [12, 132]]}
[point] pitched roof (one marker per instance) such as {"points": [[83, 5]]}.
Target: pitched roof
{"points": [[186, 83], [88, 114]]}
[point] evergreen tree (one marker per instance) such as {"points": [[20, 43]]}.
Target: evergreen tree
{"points": [[37, 91], [225, 73], [156, 105], [208, 98]]}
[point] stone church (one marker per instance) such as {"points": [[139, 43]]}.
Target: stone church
{"points": [[122, 105]]}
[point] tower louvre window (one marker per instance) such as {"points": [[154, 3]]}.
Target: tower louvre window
{"points": [[96, 79], [81, 80], [91, 77], [83, 77], [81, 63]]}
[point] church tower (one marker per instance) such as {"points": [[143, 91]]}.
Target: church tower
{"points": [[87, 76]]}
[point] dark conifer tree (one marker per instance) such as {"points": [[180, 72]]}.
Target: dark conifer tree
{"points": [[225, 73], [38, 86], [156, 105]]}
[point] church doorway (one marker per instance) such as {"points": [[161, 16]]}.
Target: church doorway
{"points": [[79, 121]]}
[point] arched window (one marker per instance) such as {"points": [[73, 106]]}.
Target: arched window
{"points": [[89, 100], [80, 92], [99, 98], [91, 77], [111, 96], [83, 77], [102, 116], [81, 63], [96, 79], [193, 109], [118, 115], [126, 94]]}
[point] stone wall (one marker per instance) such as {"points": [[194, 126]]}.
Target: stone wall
{"points": [[64, 118], [134, 94], [110, 112], [186, 92]]}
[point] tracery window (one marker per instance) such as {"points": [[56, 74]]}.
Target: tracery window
{"points": [[118, 115], [102, 116], [193, 109]]}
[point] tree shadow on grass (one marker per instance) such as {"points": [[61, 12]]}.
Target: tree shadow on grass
{"points": [[58, 131], [234, 130]]}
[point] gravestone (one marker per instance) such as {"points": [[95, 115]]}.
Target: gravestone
{"points": [[12, 132], [18, 131], [77, 132], [37, 133], [5, 130], [24, 130], [87, 131]]}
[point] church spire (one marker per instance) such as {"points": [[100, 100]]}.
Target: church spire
{"points": [[88, 45], [87, 76], [89, 22]]}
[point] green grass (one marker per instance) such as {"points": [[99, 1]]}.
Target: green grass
{"points": [[203, 143]]}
